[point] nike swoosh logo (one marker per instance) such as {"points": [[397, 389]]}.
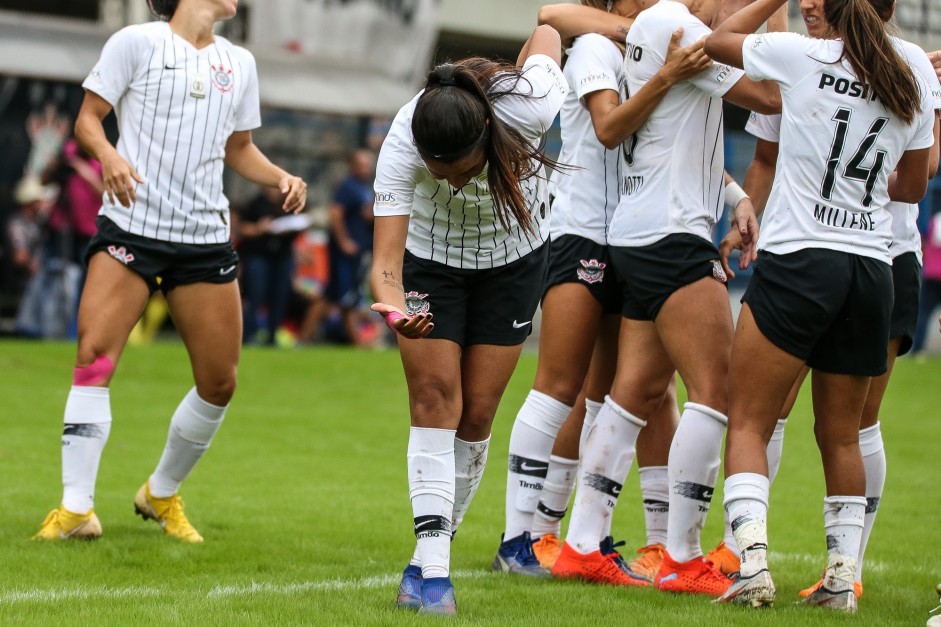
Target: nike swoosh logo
{"points": [[616, 491], [529, 468], [520, 325], [422, 524], [707, 494], [225, 271]]}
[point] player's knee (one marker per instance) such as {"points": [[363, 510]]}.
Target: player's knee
{"points": [[92, 369], [563, 390], [433, 398], [218, 390]]}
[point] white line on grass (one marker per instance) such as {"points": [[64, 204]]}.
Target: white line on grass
{"points": [[378, 581]]}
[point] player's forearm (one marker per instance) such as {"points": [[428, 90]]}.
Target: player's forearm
{"points": [[544, 40], [90, 134], [572, 20], [388, 253], [757, 184], [630, 115], [725, 43], [249, 162]]}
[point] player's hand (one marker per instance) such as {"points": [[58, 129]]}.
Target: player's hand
{"points": [[118, 178], [935, 58], [412, 327], [295, 193], [732, 241], [684, 63], [746, 223]]}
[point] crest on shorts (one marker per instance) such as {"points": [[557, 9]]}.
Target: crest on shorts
{"points": [[718, 273], [222, 79], [121, 254], [592, 271], [416, 303]]}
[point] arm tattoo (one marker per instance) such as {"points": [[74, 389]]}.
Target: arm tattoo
{"points": [[389, 279]]}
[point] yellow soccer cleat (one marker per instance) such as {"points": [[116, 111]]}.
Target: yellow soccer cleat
{"points": [[61, 524], [806, 592], [647, 565], [166, 511], [547, 550]]}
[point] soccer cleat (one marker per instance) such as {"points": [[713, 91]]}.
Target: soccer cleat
{"points": [[935, 621], [61, 524], [409, 595], [547, 550], [168, 512], [837, 590], [647, 565], [723, 558], [857, 589], [697, 576], [756, 590], [437, 596], [516, 556], [603, 566]]}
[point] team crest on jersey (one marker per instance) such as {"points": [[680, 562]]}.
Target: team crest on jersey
{"points": [[121, 254], [592, 271], [718, 273], [222, 79], [416, 303]]}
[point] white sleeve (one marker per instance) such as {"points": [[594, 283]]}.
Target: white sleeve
{"points": [[766, 127], [542, 90], [248, 114], [397, 167], [924, 124], [590, 65], [922, 65], [718, 78], [775, 56], [115, 69]]}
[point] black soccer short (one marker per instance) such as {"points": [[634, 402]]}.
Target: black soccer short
{"points": [[650, 274], [906, 281], [577, 259], [830, 308], [173, 263], [492, 306]]}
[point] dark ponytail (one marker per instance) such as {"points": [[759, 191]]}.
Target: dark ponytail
{"points": [[873, 56], [164, 9], [454, 116]]}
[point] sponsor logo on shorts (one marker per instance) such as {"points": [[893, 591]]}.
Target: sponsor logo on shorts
{"points": [[592, 271], [121, 254], [718, 273], [416, 303]]}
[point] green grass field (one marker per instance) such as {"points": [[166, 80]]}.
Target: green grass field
{"points": [[304, 505]]}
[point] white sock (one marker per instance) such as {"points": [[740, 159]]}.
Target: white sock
{"points": [[591, 412], [693, 468], [775, 449], [746, 504], [655, 491], [843, 518], [192, 428], [556, 492], [534, 431], [87, 425], [431, 489], [608, 455], [870, 444], [470, 459]]}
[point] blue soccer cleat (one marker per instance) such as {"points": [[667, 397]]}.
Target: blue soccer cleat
{"points": [[409, 596], [516, 556], [437, 596]]}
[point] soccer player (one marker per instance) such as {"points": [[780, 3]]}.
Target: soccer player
{"points": [[461, 221], [675, 306], [186, 101], [905, 250], [822, 292], [581, 303]]}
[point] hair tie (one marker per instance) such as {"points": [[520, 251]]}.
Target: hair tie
{"points": [[447, 81]]}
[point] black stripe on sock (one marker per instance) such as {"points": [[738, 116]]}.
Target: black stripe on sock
{"points": [[603, 484], [557, 514], [695, 491], [83, 430], [526, 466], [431, 524]]}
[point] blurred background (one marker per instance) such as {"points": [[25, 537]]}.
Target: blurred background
{"points": [[332, 75]]}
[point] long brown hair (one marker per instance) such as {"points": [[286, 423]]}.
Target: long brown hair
{"points": [[873, 56], [455, 115]]}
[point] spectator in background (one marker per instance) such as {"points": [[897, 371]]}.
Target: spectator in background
{"points": [[24, 232], [931, 282], [312, 261], [351, 220], [267, 265], [80, 189]]}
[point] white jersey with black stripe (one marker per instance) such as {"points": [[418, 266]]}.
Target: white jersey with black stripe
{"points": [[838, 146], [176, 107], [459, 227], [671, 178], [584, 198]]}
